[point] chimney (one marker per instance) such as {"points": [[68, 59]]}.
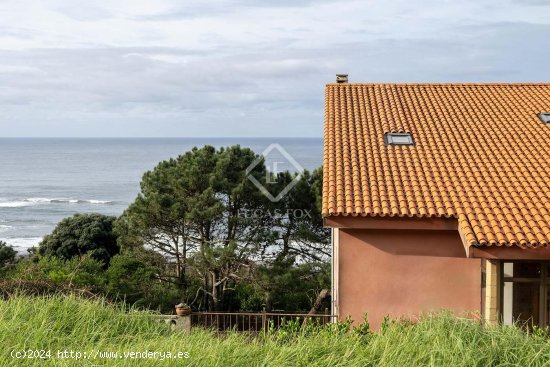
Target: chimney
{"points": [[341, 78]]}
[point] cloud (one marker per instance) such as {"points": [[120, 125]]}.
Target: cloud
{"points": [[84, 12], [17, 32], [533, 2], [198, 8], [66, 70]]}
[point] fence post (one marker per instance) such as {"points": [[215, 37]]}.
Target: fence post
{"points": [[264, 319]]}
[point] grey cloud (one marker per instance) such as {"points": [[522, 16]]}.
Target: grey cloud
{"points": [[533, 2], [200, 9], [281, 3], [17, 32], [251, 90], [84, 12], [231, 88], [116, 78], [184, 13]]}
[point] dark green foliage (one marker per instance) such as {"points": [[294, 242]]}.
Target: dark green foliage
{"points": [[363, 329], [35, 288], [292, 287], [198, 232], [230, 247], [79, 235], [132, 277], [298, 223], [7, 254], [83, 272], [189, 210]]}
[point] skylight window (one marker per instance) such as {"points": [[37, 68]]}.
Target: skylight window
{"points": [[545, 117], [398, 139]]}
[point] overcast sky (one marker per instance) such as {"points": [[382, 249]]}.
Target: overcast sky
{"points": [[242, 67]]}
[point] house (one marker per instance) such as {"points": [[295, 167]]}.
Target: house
{"points": [[438, 196]]}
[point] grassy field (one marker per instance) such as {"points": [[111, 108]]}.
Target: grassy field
{"points": [[68, 324]]}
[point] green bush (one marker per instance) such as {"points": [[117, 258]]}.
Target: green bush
{"points": [[78, 272], [79, 235], [7, 253], [7, 256], [132, 277]]}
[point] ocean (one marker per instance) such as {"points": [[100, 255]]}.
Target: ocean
{"points": [[44, 180]]}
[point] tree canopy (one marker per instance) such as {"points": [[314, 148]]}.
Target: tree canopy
{"points": [[203, 212], [79, 235]]}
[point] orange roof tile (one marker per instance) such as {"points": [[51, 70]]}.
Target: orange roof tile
{"points": [[481, 155]]}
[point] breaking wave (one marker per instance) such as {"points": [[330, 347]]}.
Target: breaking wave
{"points": [[18, 203], [4, 228], [21, 244]]}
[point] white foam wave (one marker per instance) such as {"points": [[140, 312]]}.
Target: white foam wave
{"points": [[21, 244], [18, 203], [38, 200], [4, 228], [99, 201], [15, 204]]}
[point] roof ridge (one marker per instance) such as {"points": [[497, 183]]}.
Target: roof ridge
{"points": [[452, 84]]}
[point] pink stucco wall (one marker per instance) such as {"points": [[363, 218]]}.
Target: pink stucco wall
{"points": [[395, 272]]}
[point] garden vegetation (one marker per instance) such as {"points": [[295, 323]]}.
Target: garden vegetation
{"points": [[70, 323], [198, 232]]}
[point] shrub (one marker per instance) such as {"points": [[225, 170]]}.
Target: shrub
{"points": [[77, 272], [132, 277], [79, 235], [7, 254]]}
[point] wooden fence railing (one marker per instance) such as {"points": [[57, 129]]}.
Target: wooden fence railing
{"points": [[252, 322]]}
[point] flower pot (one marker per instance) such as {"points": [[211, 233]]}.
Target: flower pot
{"points": [[183, 311]]}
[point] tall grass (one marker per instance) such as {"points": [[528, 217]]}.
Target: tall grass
{"points": [[71, 323]]}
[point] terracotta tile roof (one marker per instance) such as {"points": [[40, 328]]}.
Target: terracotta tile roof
{"points": [[481, 155]]}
